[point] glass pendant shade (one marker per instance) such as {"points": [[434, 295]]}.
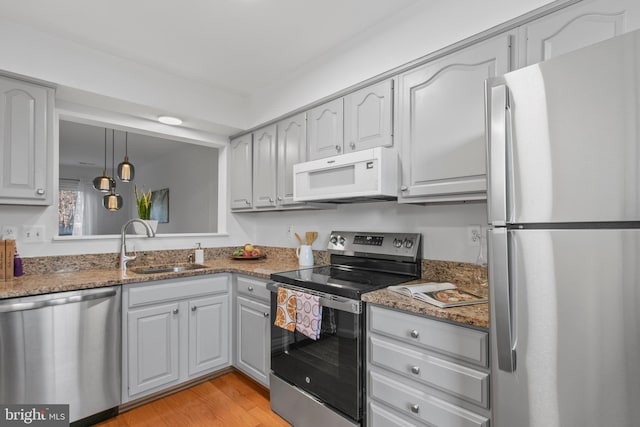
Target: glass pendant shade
{"points": [[126, 171], [112, 201], [104, 183]]}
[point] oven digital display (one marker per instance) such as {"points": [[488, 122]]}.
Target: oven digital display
{"points": [[368, 240]]}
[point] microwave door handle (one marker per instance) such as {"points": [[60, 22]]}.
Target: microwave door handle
{"points": [[498, 123], [501, 298]]}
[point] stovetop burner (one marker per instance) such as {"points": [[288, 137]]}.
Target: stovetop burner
{"points": [[360, 263]]}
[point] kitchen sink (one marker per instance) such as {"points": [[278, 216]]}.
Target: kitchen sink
{"points": [[168, 269]]}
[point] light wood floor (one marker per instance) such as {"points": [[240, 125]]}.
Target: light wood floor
{"points": [[231, 400]]}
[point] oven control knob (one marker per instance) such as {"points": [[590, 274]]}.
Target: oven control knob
{"points": [[333, 239], [408, 243], [397, 243]]}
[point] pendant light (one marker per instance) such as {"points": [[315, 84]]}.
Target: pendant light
{"points": [[126, 171], [104, 183], [112, 201]]}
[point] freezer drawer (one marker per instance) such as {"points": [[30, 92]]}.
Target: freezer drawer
{"points": [[565, 324]]}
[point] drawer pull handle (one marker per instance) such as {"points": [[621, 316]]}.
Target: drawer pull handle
{"points": [[250, 288], [175, 311], [194, 308], [415, 370], [265, 314], [415, 408], [415, 334]]}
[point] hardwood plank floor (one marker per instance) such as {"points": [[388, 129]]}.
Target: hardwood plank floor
{"points": [[231, 400]]}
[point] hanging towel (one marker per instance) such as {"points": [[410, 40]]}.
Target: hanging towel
{"points": [[286, 310], [308, 315]]}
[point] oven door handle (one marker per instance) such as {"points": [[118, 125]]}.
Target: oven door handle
{"points": [[326, 300]]}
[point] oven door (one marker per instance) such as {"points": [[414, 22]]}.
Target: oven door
{"points": [[330, 368]]}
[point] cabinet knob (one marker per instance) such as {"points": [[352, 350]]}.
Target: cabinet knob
{"points": [[352, 145], [175, 311], [270, 200], [415, 370], [194, 308], [279, 199], [415, 408], [265, 314], [338, 148], [404, 188], [415, 334], [250, 288], [40, 191]]}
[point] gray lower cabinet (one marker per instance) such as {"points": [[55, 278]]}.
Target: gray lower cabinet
{"points": [[253, 344], [173, 331], [425, 372]]}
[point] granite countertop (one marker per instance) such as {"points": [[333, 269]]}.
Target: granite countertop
{"points": [[86, 279], [476, 315], [59, 274]]}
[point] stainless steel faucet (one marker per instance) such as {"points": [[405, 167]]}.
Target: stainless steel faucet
{"points": [[123, 243]]}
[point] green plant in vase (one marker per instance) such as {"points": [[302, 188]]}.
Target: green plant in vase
{"points": [[143, 203]]}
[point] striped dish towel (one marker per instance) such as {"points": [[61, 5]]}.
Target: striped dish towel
{"points": [[308, 315], [286, 309]]}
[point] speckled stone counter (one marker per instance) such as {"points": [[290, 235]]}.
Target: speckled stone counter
{"points": [[465, 276]]}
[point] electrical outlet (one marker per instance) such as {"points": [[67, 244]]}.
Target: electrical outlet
{"points": [[9, 232], [33, 233], [474, 235], [289, 232]]}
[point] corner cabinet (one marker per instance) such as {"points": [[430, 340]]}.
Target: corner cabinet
{"points": [[241, 172], [577, 26], [440, 124], [26, 135], [253, 329], [173, 331], [264, 167], [425, 372]]}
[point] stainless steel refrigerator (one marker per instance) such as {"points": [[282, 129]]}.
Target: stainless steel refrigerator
{"points": [[564, 239]]}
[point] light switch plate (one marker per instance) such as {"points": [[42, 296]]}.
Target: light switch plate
{"points": [[33, 233]]}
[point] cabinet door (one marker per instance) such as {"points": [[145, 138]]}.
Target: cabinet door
{"points": [[208, 333], [325, 129], [368, 117], [292, 149], [153, 347], [253, 344], [577, 26], [241, 172], [264, 167], [25, 157], [441, 123]]}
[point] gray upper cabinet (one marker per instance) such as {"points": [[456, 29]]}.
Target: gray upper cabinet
{"points": [[292, 149], [440, 124], [241, 172], [26, 132], [325, 129], [577, 26], [368, 117], [264, 167]]}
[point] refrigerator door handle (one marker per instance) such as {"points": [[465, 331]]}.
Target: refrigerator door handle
{"points": [[501, 298], [497, 98]]}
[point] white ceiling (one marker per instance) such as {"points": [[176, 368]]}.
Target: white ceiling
{"points": [[238, 45]]}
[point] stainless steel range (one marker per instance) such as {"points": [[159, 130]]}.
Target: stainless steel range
{"points": [[320, 382]]}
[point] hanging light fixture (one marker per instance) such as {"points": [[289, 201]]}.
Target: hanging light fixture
{"points": [[112, 201], [104, 183], [126, 171]]}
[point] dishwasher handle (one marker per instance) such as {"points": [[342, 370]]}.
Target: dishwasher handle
{"points": [[8, 307]]}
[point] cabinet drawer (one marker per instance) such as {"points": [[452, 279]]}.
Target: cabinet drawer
{"points": [[463, 382], [455, 341], [380, 416], [420, 405], [175, 289], [253, 288]]}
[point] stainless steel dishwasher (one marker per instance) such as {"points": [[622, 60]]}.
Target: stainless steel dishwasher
{"points": [[62, 348]]}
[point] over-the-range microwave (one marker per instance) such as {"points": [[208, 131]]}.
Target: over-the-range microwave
{"points": [[370, 174]]}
